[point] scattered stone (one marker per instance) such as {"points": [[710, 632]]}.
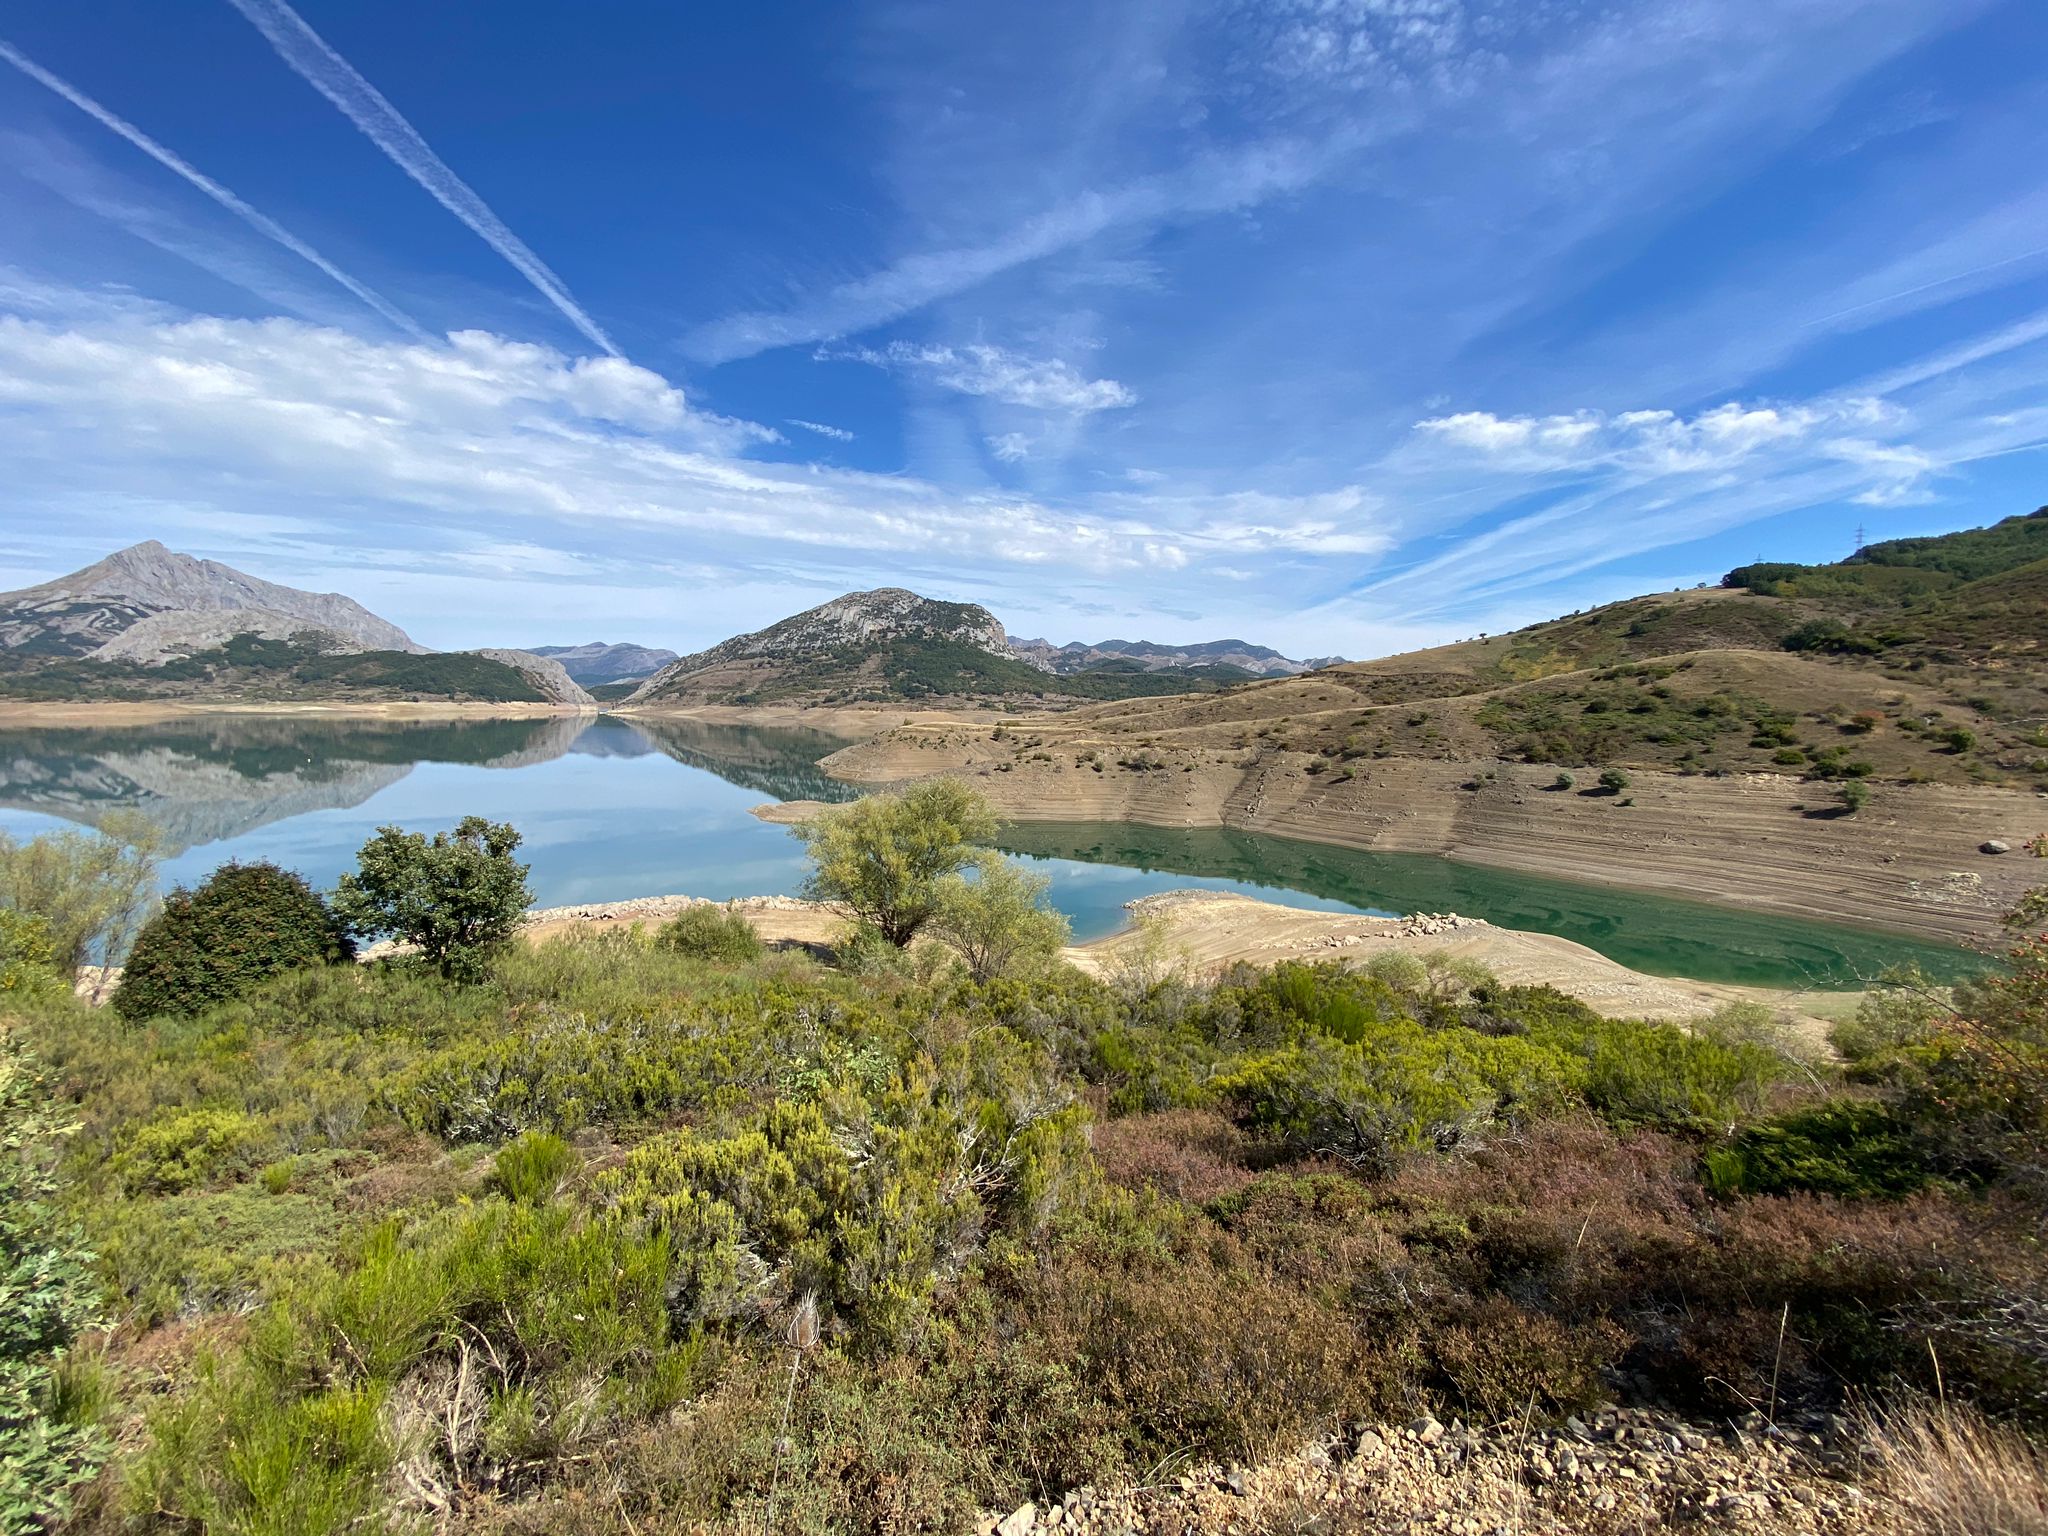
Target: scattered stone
{"points": [[1019, 1521], [1994, 846]]}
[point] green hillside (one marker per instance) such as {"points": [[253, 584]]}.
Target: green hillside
{"points": [[249, 667]]}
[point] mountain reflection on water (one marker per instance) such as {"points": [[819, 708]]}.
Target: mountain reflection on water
{"points": [[210, 779]]}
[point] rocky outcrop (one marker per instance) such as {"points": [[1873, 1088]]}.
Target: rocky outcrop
{"points": [[164, 637], [596, 662], [84, 612], [544, 672]]}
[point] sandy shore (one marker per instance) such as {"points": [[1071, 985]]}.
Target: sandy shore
{"points": [[1208, 930]]}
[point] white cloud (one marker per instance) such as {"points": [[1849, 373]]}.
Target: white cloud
{"points": [[178, 421], [1010, 447], [1046, 384], [1646, 442], [837, 434]]}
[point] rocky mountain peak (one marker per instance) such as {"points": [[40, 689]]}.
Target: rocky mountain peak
{"points": [[79, 614]]}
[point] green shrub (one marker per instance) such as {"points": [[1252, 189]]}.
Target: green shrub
{"points": [[1613, 780], [1854, 1148], [715, 934], [28, 957], [533, 1169], [184, 1149], [1853, 796], [48, 1441], [246, 923], [1656, 1074], [1398, 1090]]}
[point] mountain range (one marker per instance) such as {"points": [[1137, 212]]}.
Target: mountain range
{"points": [[1079, 656], [596, 663], [147, 622], [892, 645]]}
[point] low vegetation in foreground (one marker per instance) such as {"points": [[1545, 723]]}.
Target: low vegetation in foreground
{"points": [[666, 1233]]}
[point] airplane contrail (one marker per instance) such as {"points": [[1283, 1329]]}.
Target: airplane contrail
{"points": [[261, 223], [364, 105]]}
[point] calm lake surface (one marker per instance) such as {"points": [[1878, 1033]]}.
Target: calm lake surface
{"points": [[612, 809]]}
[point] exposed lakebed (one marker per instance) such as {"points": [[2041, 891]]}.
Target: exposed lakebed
{"points": [[612, 809]]}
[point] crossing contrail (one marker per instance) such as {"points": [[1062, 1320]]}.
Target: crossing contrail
{"points": [[364, 105], [261, 223]]}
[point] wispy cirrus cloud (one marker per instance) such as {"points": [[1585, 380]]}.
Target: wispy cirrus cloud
{"points": [[364, 105], [262, 223], [1213, 183], [1045, 384], [822, 429]]}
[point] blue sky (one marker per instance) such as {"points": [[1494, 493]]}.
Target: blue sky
{"points": [[1343, 325]]}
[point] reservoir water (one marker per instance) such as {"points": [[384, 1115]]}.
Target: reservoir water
{"points": [[612, 808]]}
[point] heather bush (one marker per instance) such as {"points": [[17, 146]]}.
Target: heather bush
{"points": [[243, 925]]}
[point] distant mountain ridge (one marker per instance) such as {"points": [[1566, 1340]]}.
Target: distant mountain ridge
{"points": [[85, 612], [840, 646], [597, 662], [1079, 656]]}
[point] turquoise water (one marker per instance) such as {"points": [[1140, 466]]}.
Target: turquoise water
{"points": [[612, 808]]}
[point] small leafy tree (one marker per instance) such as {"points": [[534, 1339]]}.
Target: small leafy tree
{"points": [[455, 896], [1613, 780], [1854, 795], [1000, 919], [247, 922], [89, 888], [882, 859]]}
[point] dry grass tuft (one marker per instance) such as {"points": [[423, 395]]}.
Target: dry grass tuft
{"points": [[1951, 1473]]}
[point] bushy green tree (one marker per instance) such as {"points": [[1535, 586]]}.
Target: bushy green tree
{"points": [[455, 896], [882, 859], [246, 923], [1000, 919], [89, 888], [717, 934], [1613, 780], [1854, 795]]}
